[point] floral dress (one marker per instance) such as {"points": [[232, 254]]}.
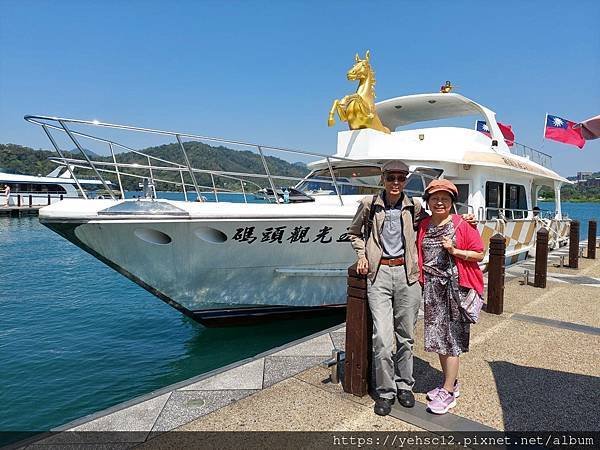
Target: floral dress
{"points": [[445, 333]]}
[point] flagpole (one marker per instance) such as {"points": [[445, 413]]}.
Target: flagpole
{"points": [[544, 133]]}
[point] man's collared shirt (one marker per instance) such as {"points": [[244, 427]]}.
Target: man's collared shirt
{"points": [[391, 234]]}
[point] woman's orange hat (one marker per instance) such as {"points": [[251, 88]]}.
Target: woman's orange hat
{"points": [[441, 185]]}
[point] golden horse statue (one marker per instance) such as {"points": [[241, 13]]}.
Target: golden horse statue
{"points": [[359, 109]]}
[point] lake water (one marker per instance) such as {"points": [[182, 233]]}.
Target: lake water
{"points": [[583, 212], [77, 337]]}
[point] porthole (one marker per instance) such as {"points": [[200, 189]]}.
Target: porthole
{"points": [[211, 235], [153, 236]]}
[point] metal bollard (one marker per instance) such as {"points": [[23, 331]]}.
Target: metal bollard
{"points": [[574, 245], [30, 200], [591, 252], [495, 300], [61, 197], [19, 200], [336, 365], [49, 199], [541, 258], [526, 277]]}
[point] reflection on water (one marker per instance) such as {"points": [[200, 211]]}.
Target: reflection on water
{"points": [[228, 345]]}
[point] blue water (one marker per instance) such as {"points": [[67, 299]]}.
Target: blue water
{"points": [[583, 212], [77, 337]]}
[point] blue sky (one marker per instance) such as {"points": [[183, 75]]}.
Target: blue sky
{"points": [[268, 71]]}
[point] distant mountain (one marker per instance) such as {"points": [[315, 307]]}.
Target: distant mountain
{"points": [[26, 160], [202, 156], [87, 151]]}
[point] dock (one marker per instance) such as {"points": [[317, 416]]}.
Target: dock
{"points": [[534, 368], [20, 211]]}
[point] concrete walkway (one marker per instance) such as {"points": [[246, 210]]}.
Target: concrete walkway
{"points": [[534, 368]]}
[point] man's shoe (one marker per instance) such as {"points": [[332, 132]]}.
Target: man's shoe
{"points": [[406, 398], [383, 406]]}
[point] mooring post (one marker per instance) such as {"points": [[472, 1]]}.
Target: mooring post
{"points": [[591, 239], [541, 258], [574, 245], [30, 200], [19, 200], [48, 198], [495, 300], [358, 335]]}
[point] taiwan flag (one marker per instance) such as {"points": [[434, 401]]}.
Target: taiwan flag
{"points": [[507, 132], [562, 130]]}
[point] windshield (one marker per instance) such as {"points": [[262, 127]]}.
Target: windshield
{"points": [[351, 181], [362, 180]]}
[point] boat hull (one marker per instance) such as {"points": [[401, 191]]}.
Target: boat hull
{"points": [[197, 272], [217, 267]]}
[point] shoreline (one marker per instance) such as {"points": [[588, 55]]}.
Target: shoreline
{"points": [[595, 200]]}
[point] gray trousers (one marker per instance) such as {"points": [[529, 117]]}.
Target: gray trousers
{"points": [[394, 306]]}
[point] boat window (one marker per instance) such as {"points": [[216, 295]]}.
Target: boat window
{"points": [[419, 179], [494, 199], [463, 198], [37, 188], [143, 207], [349, 180], [515, 199], [21, 187], [415, 185]]}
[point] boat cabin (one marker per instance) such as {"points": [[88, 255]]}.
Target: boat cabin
{"points": [[496, 179]]}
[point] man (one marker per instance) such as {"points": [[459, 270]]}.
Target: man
{"points": [[388, 256]]}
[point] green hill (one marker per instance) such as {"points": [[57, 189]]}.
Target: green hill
{"points": [[202, 156]]}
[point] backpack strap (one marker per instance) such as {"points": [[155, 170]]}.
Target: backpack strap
{"points": [[369, 224]]}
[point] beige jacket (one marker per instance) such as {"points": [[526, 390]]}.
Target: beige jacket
{"points": [[372, 249]]}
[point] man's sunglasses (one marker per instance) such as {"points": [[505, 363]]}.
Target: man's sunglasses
{"points": [[392, 178]]}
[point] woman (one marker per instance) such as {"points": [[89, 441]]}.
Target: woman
{"points": [[447, 247], [7, 194]]}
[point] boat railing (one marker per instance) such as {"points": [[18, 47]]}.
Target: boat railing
{"points": [[541, 158], [154, 165], [491, 213]]}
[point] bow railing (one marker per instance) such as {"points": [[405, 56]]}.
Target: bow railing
{"points": [[154, 165]]}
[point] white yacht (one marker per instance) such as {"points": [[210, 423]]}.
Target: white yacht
{"points": [[218, 261], [57, 185]]}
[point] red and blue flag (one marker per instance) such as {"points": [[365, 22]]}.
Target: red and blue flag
{"points": [[507, 132], [562, 130]]}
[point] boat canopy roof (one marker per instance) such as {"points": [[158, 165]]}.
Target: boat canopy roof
{"points": [[408, 109]]}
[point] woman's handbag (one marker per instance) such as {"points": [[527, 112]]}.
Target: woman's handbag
{"points": [[470, 306]]}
